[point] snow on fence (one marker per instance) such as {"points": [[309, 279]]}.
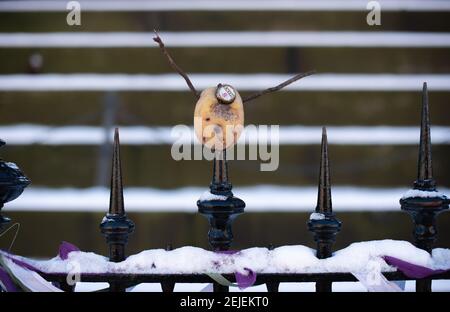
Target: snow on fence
{"points": [[27, 134], [231, 39], [243, 82], [230, 5]]}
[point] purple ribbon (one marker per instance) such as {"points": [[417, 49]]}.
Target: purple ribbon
{"points": [[411, 270], [7, 281], [65, 248], [21, 263], [243, 280]]}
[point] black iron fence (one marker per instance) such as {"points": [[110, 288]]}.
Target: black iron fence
{"points": [[116, 227]]}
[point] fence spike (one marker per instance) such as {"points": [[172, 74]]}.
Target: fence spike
{"points": [[425, 179], [424, 210], [220, 185], [116, 205], [324, 193], [116, 226], [326, 226], [220, 213]]}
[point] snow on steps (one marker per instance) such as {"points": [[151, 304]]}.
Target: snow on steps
{"points": [[229, 5], [244, 82], [233, 39], [24, 134], [257, 198]]}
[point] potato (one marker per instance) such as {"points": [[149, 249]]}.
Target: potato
{"points": [[217, 124]]}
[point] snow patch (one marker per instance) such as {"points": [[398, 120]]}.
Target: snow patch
{"points": [[317, 216], [207, 195], [11, 165], [422, 194]]}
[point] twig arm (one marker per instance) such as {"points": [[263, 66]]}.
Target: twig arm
{"points": [[278, 87], [174, 65]]}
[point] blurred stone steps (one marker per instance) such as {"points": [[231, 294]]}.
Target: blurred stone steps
{"points": [[191, 21], [171, 108], [231, 60], [382, 166]]}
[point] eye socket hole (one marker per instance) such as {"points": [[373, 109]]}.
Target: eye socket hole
{"points": [[208, 119]]}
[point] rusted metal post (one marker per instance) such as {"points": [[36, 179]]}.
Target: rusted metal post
{"points": [[116, 226], [424, 209], [12, 184], [221, 209], [323, 222]]}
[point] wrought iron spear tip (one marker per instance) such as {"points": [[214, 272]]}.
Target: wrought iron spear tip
{"points": [[220, 184], [324, 193], [116, 203], [425, 179]]}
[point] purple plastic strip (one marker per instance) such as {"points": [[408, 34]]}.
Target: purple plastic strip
{"points": [[65, 248], [21, 263], [411, 270], [7, 281], [245, 281]]}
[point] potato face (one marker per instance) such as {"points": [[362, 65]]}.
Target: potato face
{"points": [[217, 125]]}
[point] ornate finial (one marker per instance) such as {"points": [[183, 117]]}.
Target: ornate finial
{"points": [[220, 210], [115, 225], [424, 204], [323, 222], [425, 179], [12, 184], [324, 194], [116, 205]]}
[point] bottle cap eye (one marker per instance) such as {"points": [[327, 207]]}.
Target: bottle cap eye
{"points": [[225, 94]]}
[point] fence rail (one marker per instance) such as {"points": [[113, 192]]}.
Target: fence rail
{"points": [[272, 280]]}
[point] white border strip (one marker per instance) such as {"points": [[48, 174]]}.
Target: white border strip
{"points": [[27, 134], [229, 5], [243, 82], [257, 198], [238, 39]]}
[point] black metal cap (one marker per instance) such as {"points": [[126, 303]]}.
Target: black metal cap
{"points": [[225, 93]]}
